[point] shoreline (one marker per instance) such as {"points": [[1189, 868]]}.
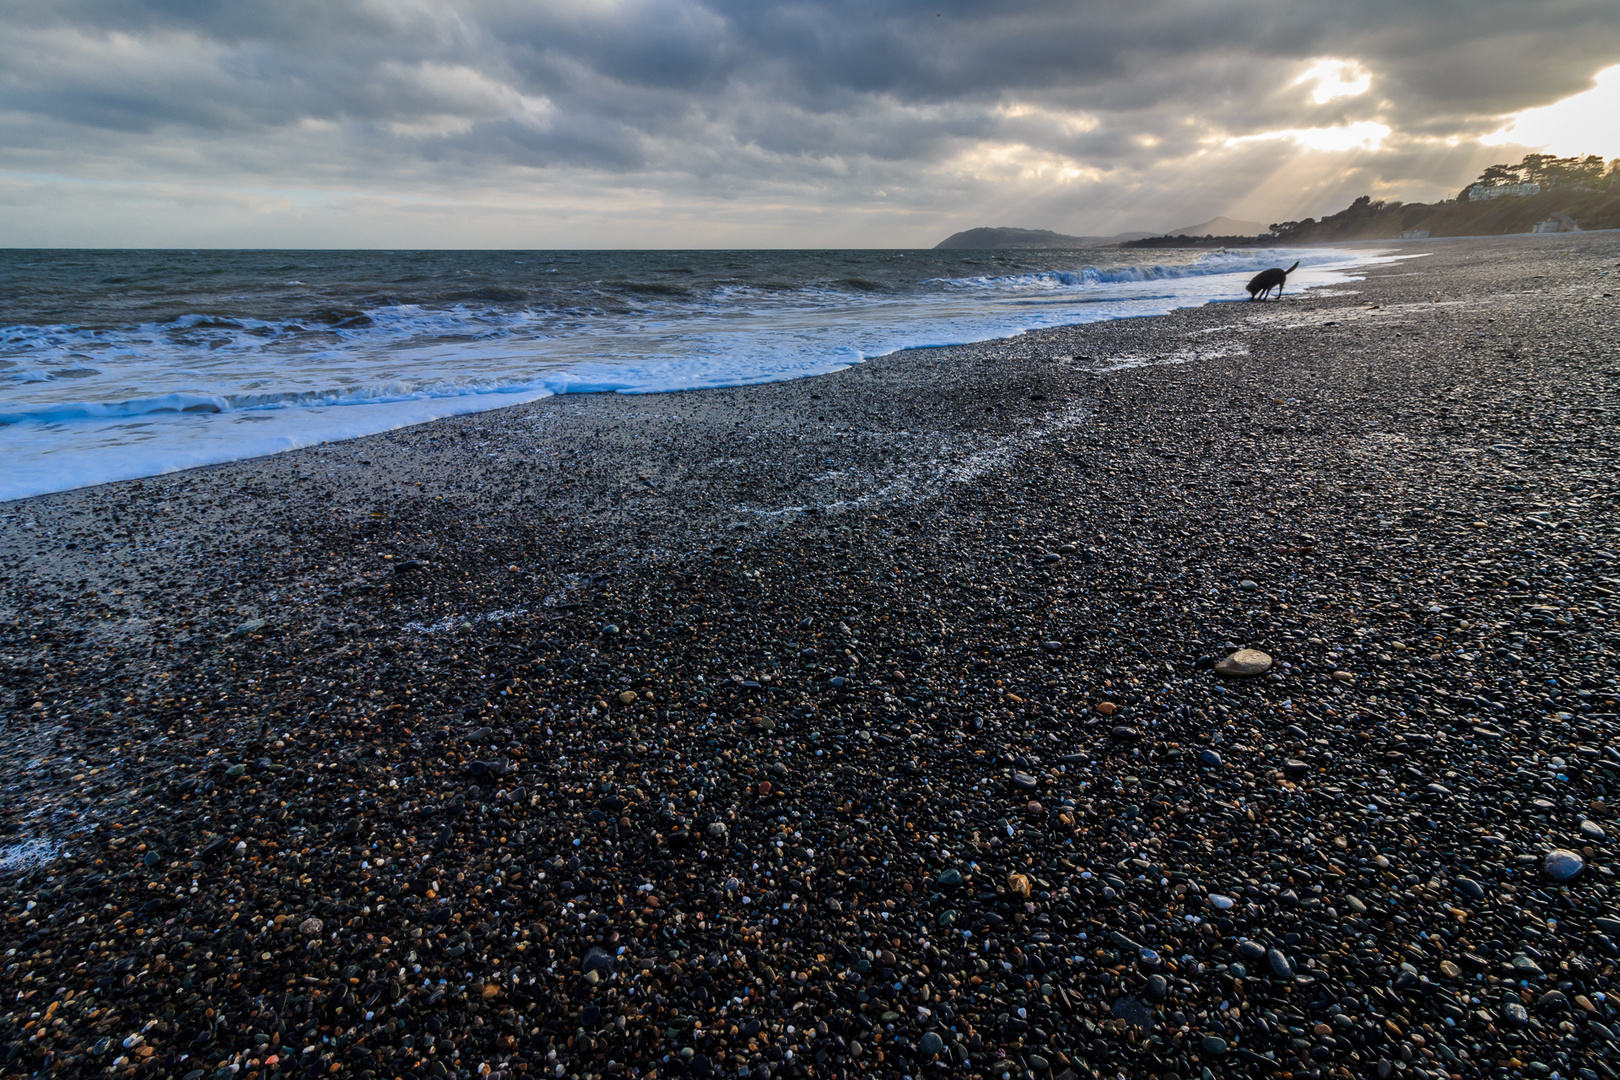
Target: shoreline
{"points": [[936, 776], [138, 436]]}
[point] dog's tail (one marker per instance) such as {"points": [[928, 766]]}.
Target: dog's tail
{"points": [[1291, 269]]}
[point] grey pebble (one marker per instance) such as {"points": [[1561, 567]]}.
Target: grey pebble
{"points": [[1562, 864], [1244, 664]]}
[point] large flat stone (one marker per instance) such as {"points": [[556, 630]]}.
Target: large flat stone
{"points": [[1244, 664]]}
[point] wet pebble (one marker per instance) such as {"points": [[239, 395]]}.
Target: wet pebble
{"points": [[1562, 864]]}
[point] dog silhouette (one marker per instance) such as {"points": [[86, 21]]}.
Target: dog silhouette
{"points": [[1261, 284]]}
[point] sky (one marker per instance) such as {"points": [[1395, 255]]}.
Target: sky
{"points": [[748, 123]]}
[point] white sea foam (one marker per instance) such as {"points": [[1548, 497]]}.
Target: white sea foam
{"points": [[88, 405], [23, 855]]}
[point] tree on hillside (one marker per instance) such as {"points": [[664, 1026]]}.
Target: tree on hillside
{"points": [[1538, 168], [1497, 175], [1547, 170], [1284, 229]]}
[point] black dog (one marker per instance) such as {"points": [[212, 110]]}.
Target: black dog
{"points": [[1266, 280]]}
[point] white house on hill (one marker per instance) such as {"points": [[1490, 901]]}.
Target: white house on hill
{"points": [[1498, 191]]}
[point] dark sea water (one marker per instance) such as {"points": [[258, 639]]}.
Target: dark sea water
{"points": [[118, 364]]}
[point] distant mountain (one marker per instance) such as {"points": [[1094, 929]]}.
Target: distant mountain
{"points": [[987, 239], [1219, 226]]}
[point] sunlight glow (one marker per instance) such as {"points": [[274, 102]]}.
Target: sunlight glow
{"points": [[1583, 124], [1336, 79], [1364, 135], [1068, 123], [1008, 162]]}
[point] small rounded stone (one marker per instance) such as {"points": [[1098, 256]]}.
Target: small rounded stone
{"points": [[1244, 664], [1562, 864]]}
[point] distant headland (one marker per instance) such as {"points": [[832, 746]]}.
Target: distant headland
{"points": [[1005, 238]]}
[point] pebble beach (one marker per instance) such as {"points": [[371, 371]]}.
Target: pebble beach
{"points": [[1223, 693]]}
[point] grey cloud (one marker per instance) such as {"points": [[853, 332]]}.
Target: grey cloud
{"points": [[837, 100]]}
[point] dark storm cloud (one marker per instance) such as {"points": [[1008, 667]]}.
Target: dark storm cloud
{"points": [[836, 97]]}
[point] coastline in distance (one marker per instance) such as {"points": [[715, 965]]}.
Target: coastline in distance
{"points": [[1006, 237]]}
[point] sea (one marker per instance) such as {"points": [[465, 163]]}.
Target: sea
{"points": [[123, 364]]}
